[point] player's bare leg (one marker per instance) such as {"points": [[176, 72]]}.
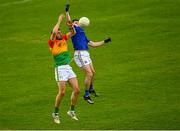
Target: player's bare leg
{"points": [[91, 88], [59, 97], [87, 82], [61, 93], [74, 96]]}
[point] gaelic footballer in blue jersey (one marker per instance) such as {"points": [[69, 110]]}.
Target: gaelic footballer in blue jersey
{"points": [[82, 56], [80, 41]]}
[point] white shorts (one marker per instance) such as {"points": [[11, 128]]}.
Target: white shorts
{"points": [[82, 58], [64, 73]]}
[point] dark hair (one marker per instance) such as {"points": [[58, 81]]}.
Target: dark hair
{"points": [[75, 20]]}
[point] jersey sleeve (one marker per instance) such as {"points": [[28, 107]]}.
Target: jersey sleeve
{"points": [[51, 43], [87, 40], [65, 37]]}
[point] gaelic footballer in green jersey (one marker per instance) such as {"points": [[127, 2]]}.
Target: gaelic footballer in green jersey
{"points": [[63, 71]]}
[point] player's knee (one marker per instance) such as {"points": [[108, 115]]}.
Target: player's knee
{"points": [[90, 75], [62, 87], [77, 91], [61, 93]]}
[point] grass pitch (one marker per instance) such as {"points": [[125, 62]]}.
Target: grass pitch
{"points": [[137, 75]]}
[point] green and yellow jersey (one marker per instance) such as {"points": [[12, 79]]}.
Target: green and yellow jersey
{"points": [[59, 50]]}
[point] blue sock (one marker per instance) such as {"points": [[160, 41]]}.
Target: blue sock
{"points": [[86, 93], [91, 88]]}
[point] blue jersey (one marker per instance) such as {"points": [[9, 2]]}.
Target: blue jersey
{"points": [[79, 40]]}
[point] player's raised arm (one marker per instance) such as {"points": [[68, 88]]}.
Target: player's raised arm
{"points": [[72, 29], [69, 22], [67, 12], [56, 27], [99, 43]]}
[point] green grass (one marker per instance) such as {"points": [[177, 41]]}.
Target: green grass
{"points": [[137, 74]]}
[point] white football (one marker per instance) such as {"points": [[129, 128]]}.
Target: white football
{"points": [[84, 22]]}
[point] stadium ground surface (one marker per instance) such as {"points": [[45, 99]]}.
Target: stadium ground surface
{"points": [[137, 75]]}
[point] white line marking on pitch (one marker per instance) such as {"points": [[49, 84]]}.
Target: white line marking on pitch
{"points": [[16, 2]]}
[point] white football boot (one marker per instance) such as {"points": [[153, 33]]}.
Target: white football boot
{"points": [[72, 115], [56, 118]]}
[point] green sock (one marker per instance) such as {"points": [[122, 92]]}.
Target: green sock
{"points": [[56, 110], [72, 107]]}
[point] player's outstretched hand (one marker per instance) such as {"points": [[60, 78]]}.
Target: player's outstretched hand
{"points": [[67, 7], [108, 39], [61, 16]]}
